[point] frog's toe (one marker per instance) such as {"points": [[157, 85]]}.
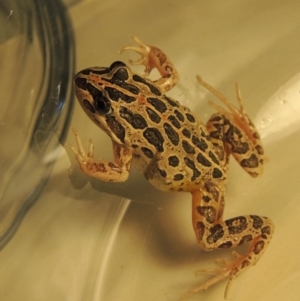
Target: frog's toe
{"points": [[221, 274], [144, 50]]}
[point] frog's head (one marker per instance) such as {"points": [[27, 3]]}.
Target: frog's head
{"points": [[97, 87], [103, 92]]}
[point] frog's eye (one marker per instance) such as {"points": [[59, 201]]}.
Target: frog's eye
{"points": [[116, 64], [102, 104]]}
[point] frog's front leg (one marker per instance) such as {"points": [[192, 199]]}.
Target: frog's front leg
{"points": [[213, 233], [152, 57], [117, 171]]}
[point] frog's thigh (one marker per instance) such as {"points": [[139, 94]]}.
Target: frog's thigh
{"points": [[230, 139]]}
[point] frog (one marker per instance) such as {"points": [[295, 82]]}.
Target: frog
{"points": [[175, 150]]}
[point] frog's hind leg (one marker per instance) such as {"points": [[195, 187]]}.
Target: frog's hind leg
{"points": [[214, 233], [233, 131]]}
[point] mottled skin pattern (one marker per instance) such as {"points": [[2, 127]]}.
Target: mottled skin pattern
{"points": [[174, 150]]}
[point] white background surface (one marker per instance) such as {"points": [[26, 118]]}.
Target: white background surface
{"points": [[56, 254]]}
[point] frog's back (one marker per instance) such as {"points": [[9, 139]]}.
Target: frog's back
{"points": [[170, 145]]}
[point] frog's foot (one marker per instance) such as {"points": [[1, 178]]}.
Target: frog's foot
{"points": [[239, 115], [144, 50], [154, 58], [103, 170], [228, 270], [81, 156]]}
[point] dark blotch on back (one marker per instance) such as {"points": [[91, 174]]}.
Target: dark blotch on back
{"points": [[171, 101], [147, 152], [200, 143], [186, 133], [162, 173], [135, 120], [213, 157], [202, 160], [157, 104], [119, 78], [171, 133], [190, 163], [173, 161], [190, 117], [115, 94], [116, 127], [154, 137], [131, 88], [187, 147], [179, 115], [217, 173], [178, 177], [174, 121], [152, 88], [153, 115]]}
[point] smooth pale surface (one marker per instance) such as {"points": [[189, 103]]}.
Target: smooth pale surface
{"points": [[69, 246]]}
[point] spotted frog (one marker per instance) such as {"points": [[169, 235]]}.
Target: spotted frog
{"points": [[174, 150]]}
